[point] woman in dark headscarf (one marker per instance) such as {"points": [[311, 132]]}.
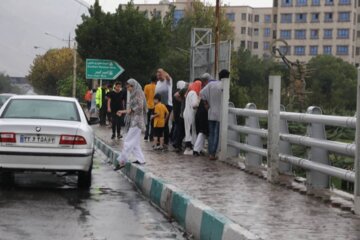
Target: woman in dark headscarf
{"points": [[134, 124]]}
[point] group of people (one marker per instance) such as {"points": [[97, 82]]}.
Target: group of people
{"points": [[184, 118]]}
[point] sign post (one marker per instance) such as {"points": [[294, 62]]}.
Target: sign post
{"points": [[103, 69]]}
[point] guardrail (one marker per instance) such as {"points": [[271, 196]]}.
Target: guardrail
{"points": [[278, 151]]}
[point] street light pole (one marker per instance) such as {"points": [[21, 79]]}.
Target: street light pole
{"points": [[74, 71], [217, 37]]}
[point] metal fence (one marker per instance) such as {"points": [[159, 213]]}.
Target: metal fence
{"points": [[278, 146]]}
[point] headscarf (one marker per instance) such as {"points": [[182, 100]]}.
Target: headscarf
{"points": [[137, 92], [195, 86], [180, 84]]}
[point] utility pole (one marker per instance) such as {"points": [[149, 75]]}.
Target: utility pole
{"points": [[74, 72], [217, 37]]}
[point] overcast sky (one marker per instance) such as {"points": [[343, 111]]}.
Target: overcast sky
{"points": [[23, 24], [111, 5]]}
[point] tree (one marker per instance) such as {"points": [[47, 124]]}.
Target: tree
{"points": [[126, 36], [199, 15], [53, 66], [332, 84], [5, 85], [65, 86]]}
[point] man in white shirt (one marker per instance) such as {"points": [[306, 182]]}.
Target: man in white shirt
{"points": [[164, 88]]}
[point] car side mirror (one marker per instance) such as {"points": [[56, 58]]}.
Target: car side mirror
{"points": [[94, 121]]}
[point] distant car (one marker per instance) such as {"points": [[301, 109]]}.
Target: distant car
{"points": [[46, 133], [4, 97]]}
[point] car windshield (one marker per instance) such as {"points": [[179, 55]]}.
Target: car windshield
{"points": [[41, 109]]}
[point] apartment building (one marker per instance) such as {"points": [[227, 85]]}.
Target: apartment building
{"points": [[310, 27]]}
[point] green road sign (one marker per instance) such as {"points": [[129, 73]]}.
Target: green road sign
{"points": [[102, 69]]}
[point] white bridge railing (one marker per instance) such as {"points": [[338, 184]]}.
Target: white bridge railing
{"points": [[278, 151]]}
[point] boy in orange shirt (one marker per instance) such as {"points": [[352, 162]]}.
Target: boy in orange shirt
{"points": [[160, 115]]}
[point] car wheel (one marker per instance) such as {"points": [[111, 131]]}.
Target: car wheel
{"points": [[84, 179], [7, 179]]}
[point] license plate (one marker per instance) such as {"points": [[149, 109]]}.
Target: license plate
{"points": [[37, 139]]}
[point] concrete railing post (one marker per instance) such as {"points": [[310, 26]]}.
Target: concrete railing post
{"points": [[284, 146], [233, 135], [314, 179], [357, 153], [273, 140], [253, 159], [224, 118]]}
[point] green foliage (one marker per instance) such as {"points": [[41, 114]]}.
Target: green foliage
{"points": [[5, 85], [65, 86], [200, 15], [48, 69], [126, 36], [249, 78], [332, 84]]}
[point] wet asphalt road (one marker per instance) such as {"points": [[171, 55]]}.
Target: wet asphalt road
{"points": [[45, 206]]}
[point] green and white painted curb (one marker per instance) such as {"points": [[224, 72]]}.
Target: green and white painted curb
{"points": [[196, 218]]}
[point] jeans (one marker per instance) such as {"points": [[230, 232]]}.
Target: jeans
{"points": [[149, 125], [102, 115], [116, 124], [214, 129]]}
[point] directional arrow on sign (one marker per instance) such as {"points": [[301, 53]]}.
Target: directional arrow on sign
{"points": [[103, 69]]}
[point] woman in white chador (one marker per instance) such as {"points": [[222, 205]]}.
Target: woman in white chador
{"points": [[134, 124], [191, 104]]}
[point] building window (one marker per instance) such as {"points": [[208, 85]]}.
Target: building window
{"points": [[243, 30], [242, 44], [286, 18], [256, 45], [156, 14], [267, 32], [314, 34], [178, 15], [267, 18], [342, 50], [285, 50], [328, 17], [315, 17], [327, 50], [250, 31], [315, 3], [285, 34], [357, 51], [243, 16], [256, 32], [301, 2], [275, 18], [250, 17], [344, 2], [344, 16], [358, 34], [256, 18], [329, 2], [230, 17], [314, 50], [249, 44], [343, 33], [301, 17], [300, 34], [299, 50], [266, 45], [286, 3], [327, 33]]}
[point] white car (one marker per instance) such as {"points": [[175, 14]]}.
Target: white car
{"points": [[46, 133]]}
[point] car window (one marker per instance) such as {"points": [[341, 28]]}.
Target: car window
{"points": [[41, 109]]}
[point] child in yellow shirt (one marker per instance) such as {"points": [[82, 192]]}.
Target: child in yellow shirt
{"points": [[160, 115]]}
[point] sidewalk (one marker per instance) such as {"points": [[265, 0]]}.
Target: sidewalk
{"points": [[270, 211]]}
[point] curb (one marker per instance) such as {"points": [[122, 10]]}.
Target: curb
{"points": [[198, 219]]}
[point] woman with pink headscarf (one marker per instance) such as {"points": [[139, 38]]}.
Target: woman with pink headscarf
{"points": [[192, 102]]}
